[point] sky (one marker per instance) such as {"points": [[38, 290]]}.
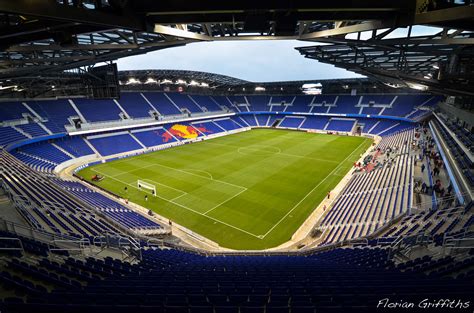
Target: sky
{"points": [[257, 61]]}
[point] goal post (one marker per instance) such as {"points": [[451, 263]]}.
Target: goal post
{"points": [[143, 185]]}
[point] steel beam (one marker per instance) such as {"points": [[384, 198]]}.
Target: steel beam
{"points": [[54, 11]]}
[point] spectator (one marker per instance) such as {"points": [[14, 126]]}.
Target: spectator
{"points": [[422, 168]]}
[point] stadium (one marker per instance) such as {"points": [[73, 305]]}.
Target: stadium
{"points": [[171, 190]]}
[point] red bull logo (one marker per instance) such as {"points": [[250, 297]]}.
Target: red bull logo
{"points": [[183, 132]]}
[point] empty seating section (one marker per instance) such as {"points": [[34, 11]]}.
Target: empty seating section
{"points": [[262, 119], [315, 122], [403, 105], [134, 104], [346, 104], [461, 156], [153, 136], [12, 111], [371, 199], [109, 207], [45, 151], [438, 223], [338, 280], [162, 103], [273, 119], [300, 104], [34, 130], [383, 125], [367, 123], [371, 110], [98, 110], [183, 101], [259, 103], [279, 103], [9, 135], [74, 145], [383, 100], [398, 127], [56, 112], [223, 101], [249, 119], [291, 122], [207, 102], [113, 144], [228, 124], [340, 125], [46, 206], [463, 134], [208, 127], [35, 162]]}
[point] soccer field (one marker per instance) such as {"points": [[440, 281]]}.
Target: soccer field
{"points": [[250, 190]]}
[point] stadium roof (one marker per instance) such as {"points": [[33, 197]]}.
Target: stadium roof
{"points": [[44, 38]]}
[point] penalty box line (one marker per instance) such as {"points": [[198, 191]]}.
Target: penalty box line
{"points": [[190, 173], [187, 208]]}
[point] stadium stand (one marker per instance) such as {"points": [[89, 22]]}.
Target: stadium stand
{"points": [[109, 144], [371, 199], [98, 110], [56, 112], [151, 137], [162, 103], [135, 105]]}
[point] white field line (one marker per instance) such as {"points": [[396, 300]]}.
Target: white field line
{"points": [[215, 207], [311, 191], [185, 207], [279, 152], [183, 171], [183, 192]]}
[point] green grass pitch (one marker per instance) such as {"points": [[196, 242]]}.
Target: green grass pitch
{"points": [[250, 190]]}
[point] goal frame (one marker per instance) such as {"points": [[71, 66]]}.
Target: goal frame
{"points": [[145, 185]]}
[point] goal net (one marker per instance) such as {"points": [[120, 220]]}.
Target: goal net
{"points": [[143, 185]]}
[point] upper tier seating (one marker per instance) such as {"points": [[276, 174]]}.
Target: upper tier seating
{"points": [[207, 102], [223, 101], [134, 104], [183, 101], [346, 104], [300, 104], [56, 111], [259, 103], [34, 130], [160, 101], [12, 111], [98, 110]]}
